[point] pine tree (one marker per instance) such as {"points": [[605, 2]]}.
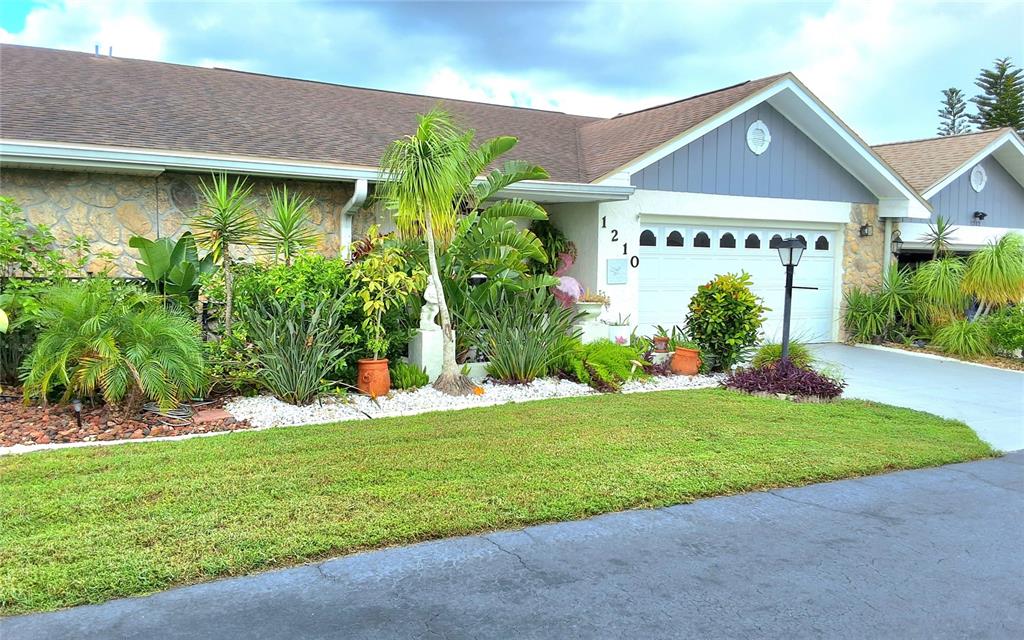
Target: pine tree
{"points": [[1001, 101], [953, 118]]}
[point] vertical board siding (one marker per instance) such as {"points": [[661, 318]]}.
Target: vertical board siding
{"points": [[719, 162], [1002, 198]]}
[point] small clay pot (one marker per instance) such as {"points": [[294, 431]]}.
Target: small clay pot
{"points": [[660, 344], [374, 379], [685, 361]]}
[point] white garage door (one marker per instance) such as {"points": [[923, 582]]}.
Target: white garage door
{"points": [[676, 259]]}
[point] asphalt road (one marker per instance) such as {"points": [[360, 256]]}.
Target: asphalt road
{"points": [[936, 553]]}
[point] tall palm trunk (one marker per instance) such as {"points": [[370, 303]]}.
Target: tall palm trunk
{"points": [[229, 289], [451, 380]]}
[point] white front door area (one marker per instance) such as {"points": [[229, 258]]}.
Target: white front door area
{"points": [[675, 259]]}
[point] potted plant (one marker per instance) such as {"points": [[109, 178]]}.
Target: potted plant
{"points": [[661, 339], [619, 329], [591, 304], [384, 284], [686, 359]]}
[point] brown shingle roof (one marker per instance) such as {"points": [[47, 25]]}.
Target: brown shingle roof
{"points": [[923, 163], [78, 98], [607, 145]]}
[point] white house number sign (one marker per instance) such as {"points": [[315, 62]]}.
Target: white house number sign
{"points": [[616, 267]]}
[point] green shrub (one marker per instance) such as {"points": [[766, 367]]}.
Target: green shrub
{"points": [[297, 346], [866, 318], [310, 279], [101, 335], [408, 376], [1006, 329], [524, 334], [724, 318], [771, 352], [963, 338], [604, 365], [995, 273]]}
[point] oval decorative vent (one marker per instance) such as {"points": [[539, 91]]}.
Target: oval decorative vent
{"points": [[758, 137], [978, 178]]}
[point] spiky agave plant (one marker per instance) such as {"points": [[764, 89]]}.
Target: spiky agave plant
{"points": [[114, 339], [865, 318], [939, 236], [995, 273]]}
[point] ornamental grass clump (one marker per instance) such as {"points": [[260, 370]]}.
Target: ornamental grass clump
{"points": [[771, 353], [785, 377], [963, 338]]}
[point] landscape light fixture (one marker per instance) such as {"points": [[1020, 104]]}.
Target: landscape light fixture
{"points": [[790, 252], [477, 279], [896, 242], [76, 404]]}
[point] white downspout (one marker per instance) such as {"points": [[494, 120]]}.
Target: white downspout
{"points": [[887, 243], [348, 210]]}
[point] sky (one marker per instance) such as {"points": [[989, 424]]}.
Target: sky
{"points": [[880, 65]]}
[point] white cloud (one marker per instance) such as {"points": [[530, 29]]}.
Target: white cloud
{"points": [[521, 91], [80, 25]]}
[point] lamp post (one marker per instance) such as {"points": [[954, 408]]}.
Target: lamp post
{"points": [[790, 252]]}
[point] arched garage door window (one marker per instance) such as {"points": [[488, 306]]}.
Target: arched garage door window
{"points": [[702, 240], [648, 239], [752, 242], [675, 239], [775, 241], [727, 241], [821, 244]]}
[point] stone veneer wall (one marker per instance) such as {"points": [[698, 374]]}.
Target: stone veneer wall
{"points": [[109, 208], [863, 258]]}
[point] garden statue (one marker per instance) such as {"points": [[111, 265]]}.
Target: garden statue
{"points": [[429, 311]]}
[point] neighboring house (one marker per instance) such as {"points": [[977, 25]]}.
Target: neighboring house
{"points": [[657, 201], [974, 180]]}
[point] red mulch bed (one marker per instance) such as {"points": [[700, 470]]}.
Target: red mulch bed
{"points": [[34, 424]]}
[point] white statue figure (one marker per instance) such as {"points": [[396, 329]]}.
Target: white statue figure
{"points": [[429, 310]]}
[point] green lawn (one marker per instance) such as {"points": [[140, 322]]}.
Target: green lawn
{"points": [[86, 525]]}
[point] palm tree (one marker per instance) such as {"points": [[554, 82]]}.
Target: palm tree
{"points": [[995, 273], [287, 231], [224, 218], [431, 182]]}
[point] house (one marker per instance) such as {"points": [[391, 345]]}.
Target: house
{"points": [[973, 180], [657, 201]]}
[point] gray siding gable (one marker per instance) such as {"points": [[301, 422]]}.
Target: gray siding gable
{"points": [[720, 162], [1002, 198]]}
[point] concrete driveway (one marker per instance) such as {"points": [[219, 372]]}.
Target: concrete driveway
{"points": [[935, 553], [990, 400]]}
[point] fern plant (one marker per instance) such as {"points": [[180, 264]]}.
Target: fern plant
{"points": [[604, 365], [112, 338]]}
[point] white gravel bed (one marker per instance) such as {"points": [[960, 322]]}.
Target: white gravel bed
{"points": [[671, 383], [267, 411]]}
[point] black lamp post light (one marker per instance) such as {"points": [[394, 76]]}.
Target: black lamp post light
{"points": [[790, 252]]}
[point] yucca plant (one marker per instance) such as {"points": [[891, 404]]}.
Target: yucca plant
{"points": [[963, 338], [995, 273], [225, 218], [939, 286], [298, 344], [866, 318], [287, 231], [112, 338], [899, 299], [938, 237]]}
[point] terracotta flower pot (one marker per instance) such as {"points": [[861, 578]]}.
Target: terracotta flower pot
{"points": [[374, 379], [685, 361], [660, 344]]}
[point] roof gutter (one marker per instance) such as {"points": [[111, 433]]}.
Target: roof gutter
{"points": [[348, 211], [49, 155]]}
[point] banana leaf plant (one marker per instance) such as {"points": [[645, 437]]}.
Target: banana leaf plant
{"points": [[173, 268]]}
